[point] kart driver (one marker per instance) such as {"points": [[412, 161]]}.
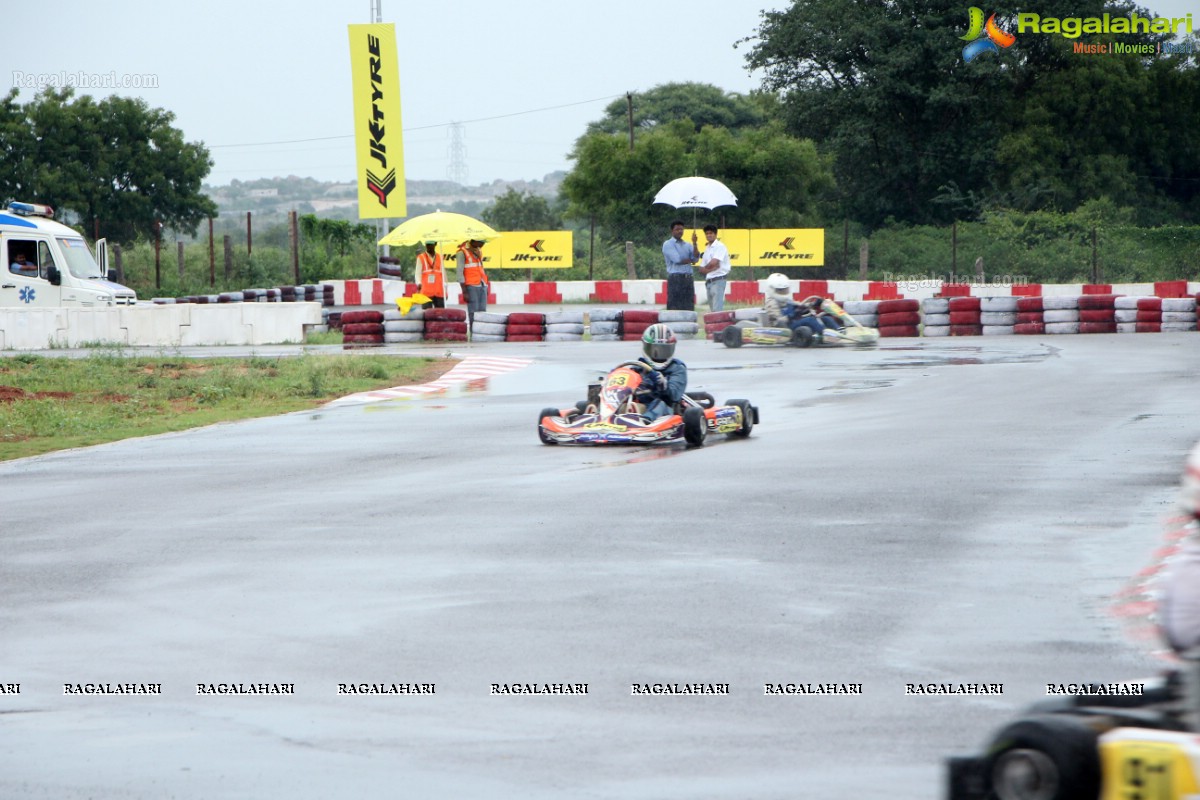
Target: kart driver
{"points": [[784, 312], [665, 385]]}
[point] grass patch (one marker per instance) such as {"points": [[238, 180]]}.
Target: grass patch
{"points": [[49, 404]]}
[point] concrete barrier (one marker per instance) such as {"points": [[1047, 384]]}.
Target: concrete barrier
{"points": [[157, 325]]}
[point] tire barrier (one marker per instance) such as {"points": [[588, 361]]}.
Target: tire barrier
{"points": [[715, 322], [965, 316], [445, 324], [935, 313], [526, 326], [634, 323]]}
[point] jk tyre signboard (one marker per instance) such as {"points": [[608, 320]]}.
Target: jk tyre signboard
{"points": [[787, 247], [533, 249], [736, 241], [379, 163]]}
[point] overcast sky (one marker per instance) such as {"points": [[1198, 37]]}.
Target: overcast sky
{"points": [[524, 77]]}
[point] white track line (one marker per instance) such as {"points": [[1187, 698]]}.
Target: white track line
{"points": [[469, 369]]}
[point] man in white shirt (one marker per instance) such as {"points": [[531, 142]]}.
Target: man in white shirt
{"points": [[715, 268]]}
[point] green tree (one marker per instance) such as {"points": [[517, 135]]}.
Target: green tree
{"points": [[116, 161], [701, 103], [513, 211]]}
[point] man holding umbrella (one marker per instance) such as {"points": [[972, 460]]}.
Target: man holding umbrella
{"points": [[680, 256]]}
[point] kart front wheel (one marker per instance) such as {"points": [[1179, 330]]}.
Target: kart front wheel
{"points": [[732, 336], [802, 337], [546, 412], [1050, 757], [747, 418], [695, 427]]}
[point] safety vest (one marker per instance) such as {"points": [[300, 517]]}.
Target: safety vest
{"points": [[473, 274], [429, 275]]}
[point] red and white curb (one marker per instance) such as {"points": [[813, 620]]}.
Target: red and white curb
{"points": [[1136, 605], [471, 368]]}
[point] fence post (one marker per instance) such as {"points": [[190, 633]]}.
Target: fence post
{"points": [[1095, 263], [294, 236], [592, 251], [120, 266], [845, 249], [954, 248], [179, 253], [248, 237], [863, 257], [228, 257], [157, 249], [212, 256], [629, 267]]}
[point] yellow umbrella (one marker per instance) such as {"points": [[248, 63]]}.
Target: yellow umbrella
{"points": [[440, 226]]}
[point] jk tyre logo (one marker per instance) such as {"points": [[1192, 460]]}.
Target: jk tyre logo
{"points": [[537, 246], [983, 37], [381, 188], [786, 244]]}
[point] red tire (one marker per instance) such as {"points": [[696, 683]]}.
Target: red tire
{"points": [[1092, 301], [964, 317], [717, 316], [368, 328], [893, 318], [1029, 328], [897, 306], [1097, 315], [1149, 316], [524, 329], [964, 304], [1097, 327], [445, 315], [1027, 317], [446, 337], [526, 318], [517, 337], [635, 329], [966, 330], [715, 328], [363, 338], [1150, 304], [898, 330], [647, 317], [1148, 327], [1029, 304], [352, 317], [437, 328]]}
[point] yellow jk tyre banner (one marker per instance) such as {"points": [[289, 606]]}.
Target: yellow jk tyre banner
{"points": [[378, 142], [787, 247], [736, 240], [533, 250]]}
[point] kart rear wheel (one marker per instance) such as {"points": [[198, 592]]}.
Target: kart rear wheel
{"points": [[747, 418], [546, 412], [695, 426], [802, 337], [732, 336], [1050, 757]]}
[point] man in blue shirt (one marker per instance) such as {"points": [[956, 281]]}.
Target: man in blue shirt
{"points": [[680, 256]]}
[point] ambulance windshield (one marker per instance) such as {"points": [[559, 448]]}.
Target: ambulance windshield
{"points": [[79, 258]]}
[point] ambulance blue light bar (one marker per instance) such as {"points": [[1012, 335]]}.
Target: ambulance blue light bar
{"points": [[31, 210]]}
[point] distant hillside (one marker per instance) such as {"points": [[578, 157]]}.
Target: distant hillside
{"points": [[271, 197]]}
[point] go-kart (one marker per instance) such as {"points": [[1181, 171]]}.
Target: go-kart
{"points": [[614, 413], [849, 330], [1099, 747]]}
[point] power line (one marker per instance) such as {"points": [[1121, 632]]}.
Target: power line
{"points": [[421, 127]]}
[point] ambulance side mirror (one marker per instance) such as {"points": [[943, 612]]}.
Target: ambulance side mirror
{"points": [[54, 276]]}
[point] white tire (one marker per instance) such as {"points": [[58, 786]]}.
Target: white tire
{"points": [[491, 317], [1127, 302], [606, 337], [936, 330], [856, 307], [1178, 316], [1055, 303], [1062, 327], [564, 317], [1178, 326], [751, 314], [398, 338], [936, 305], [1061, 315], [564, 337], [676, 315], [604, 327], [1007, 318], [487, 337], [488, 328], [1178, 304], [1125, 314], [403, 326], [997, 330], [685, 328], [998, 304], [604, 315], [571, 328], [1126, 327], [936, 319]]}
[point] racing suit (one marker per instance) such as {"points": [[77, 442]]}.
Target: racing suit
{"points": [[660, 400]]}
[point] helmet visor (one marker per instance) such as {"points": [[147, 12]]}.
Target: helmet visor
{"points": [[659, 352]]}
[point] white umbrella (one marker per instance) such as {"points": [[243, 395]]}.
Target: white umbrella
{"points": [[695, 192]]}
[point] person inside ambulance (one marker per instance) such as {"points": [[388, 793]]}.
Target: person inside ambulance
{"points": [[22, 266]]}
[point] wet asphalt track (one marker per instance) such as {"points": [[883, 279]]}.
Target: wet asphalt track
{"points": [[937, 511]]}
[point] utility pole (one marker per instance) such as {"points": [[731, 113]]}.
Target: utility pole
{"points": [[629, 110]]}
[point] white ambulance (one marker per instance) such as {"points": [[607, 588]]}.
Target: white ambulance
{"points": [[47, 264]]}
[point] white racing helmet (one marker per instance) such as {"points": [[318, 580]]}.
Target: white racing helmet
{"points": [[779, 283], [658, 344]]}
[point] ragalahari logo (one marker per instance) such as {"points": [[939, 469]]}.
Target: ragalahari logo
{"points": [[984, 38]]}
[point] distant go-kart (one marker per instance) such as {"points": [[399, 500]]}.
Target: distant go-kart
{"points": [[850, 331], [615, 414]]}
